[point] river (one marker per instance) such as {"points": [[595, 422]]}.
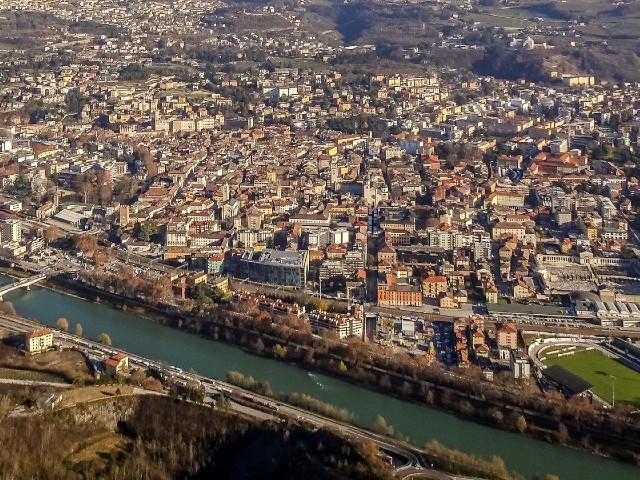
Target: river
{"points": [[143, 337]]}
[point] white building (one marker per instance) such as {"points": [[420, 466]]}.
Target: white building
{"points": [[38, 340], [11, 231], [519, 364]]}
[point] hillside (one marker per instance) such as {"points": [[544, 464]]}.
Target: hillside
{"points": [[160, 438]]}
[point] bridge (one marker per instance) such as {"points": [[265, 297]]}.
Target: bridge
{"points": [[22, 283]]}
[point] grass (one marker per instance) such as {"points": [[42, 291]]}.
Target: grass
{"points": [[92, 394], [17, 374], [67, 364], [98, 448], [596, 368]]}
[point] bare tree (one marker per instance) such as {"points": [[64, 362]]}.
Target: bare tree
{"points": [[104, 339], [63, 324]]}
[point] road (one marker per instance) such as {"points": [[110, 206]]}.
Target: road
{"points": [[406, 457]]}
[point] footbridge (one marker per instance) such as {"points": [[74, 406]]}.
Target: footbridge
{"points": [[22, 283]]}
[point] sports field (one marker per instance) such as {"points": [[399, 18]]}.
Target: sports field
{"points": [[597, 368]]}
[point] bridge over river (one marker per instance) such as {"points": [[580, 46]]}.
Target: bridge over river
{"points": [[22, 283]]}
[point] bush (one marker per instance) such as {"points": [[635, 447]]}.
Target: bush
{"points": [[455, 461], [314, 405]]}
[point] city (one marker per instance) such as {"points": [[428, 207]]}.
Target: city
{"points": [[450, 220]]}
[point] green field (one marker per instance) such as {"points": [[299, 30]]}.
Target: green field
{"points": [[596, 368]]}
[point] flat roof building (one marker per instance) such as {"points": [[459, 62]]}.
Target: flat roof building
{"points": [[288, 269]]}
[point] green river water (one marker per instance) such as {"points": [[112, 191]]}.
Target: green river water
{"points": [[419, 423]]}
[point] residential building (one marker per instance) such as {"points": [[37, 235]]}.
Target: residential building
{"points": [[117, 364], [38, 340], [433, 286], [11, 231], [508, 336], [275, 267], [519, 364], [342, 325]]}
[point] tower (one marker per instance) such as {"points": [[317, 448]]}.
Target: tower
{"points": [[124, 215]]}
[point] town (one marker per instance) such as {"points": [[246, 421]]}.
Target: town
{"points": [[461, 221]]}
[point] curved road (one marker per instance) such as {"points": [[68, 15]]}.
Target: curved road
{"points": [[410, 460]]}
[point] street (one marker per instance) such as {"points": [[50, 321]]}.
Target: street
{"points": [[404, 455]]}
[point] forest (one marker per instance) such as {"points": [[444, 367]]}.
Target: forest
{"points": [[162, 438]]}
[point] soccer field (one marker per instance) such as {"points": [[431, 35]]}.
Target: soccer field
{"points": [[597, 368]]}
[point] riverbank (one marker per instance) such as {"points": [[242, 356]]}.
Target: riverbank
{"points": [[416, 421], [270, 342]]}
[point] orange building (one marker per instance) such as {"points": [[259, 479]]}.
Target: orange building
{"points": [[508, 336], [433, 286], [392, 294]]}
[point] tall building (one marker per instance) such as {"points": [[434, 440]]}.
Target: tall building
{"points": [[481, 246], [519, 364], [124, 215], [11, 231], [508, 336]]}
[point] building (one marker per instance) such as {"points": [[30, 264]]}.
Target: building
{"points": [[433, 286], [566, 382], [509, 229], [519, 364], [177, 233], [491, 294], [221, 283], [393, 294], [117, 364], [342, 325], [11, 231], [508, 336], [38, 340], [123, 215], [45, 211], [288, 269]]}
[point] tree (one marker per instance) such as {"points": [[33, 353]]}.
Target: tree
{"points": [[385, 382], [75, 101], [7, 308], [86, 243], [563, 433], [498, 417], [380, 426], [201, 297], [521, 424], [217, 295], [63, 324], [78, 330], [51, 234], [152, 384], [279, 351], [147, 230], [104, 339], [100, 258]]}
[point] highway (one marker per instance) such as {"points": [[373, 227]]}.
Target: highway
{"points": [[408, 460]]}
